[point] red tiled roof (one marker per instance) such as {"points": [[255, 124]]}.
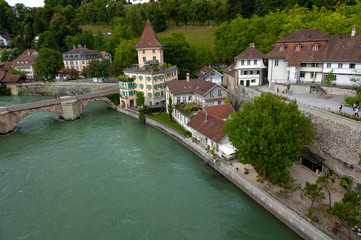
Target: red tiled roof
{"points": [[332, 48], [5, 66], [2, 75], [215, 99], [26, 58], [250, 53], [198, 86], [148, 38], [81, 50], [230, 71], [13, 79], [213, 126], [7, 36], [204, 72]]}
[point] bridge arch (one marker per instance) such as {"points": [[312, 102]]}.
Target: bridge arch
{"points": [[83, 103], [16, 117]]}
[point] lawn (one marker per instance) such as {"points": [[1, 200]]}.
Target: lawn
{"points": [[195, 36], [164, 118], [96, 28]]}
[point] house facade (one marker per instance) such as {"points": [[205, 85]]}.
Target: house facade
{"points": [[5, 38], [308, 55], [24, 63], [210, 75], [150, 74], [79, 58], [207, 128]]}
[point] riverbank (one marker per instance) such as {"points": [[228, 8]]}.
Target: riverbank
{"points": [[297, 223]]}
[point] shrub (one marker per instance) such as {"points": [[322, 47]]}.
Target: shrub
{"points": [[4, 91], [345, 181], [114, 98]]}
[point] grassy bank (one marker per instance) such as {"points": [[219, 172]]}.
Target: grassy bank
{"points": [[195, 36], [164, 118]]}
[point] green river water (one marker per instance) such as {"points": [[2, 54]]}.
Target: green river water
{"points": [[105, 176]]}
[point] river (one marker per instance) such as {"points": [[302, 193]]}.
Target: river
{"points": [[105, 176]]}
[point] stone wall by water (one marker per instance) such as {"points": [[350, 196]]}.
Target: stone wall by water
{"points": [[338, 139], [60, 88]]}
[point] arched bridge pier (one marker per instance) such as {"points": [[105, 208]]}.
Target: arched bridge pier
{"points": [[68, 107]]}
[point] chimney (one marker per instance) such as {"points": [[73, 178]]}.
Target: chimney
{"points": [[206, 118], [84, 46], [79, 45], [187, 77], [73, 46], [251, 45], [210, 78], [353, 32], [29, 52]]}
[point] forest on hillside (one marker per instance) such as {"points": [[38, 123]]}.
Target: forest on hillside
{"points": [[57, 26]]}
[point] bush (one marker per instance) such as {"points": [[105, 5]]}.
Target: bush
{"points": [[188, 133], [345, 181], [4, 91], [114, 98], [351, 100]]}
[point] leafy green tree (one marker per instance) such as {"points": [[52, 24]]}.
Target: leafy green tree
{"points": [[5, 56], [140, 99], [125, 54], [347, 210], [15, 53], [270, 134], [312, 192], [325, 183], [97, 69], [48, 63], [170, 108]]}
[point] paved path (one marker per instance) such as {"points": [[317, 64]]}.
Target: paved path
{"points": [[312, 100]]}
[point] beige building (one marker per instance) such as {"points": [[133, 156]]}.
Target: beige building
{"points": [[24, 63], [79, 58], [149, 75]]}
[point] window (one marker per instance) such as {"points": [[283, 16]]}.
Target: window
{"points": [[149, 95], [314, 64], [141, 86], [153, 51], [144, 59], [276, 63], [244, 72], [253, 80], [140, 77], [211, 94], [257, 71], [184, 99], [340, 65], [149, 87], [154, 58], [241, 82], [303, 64], [242, 62], [189, 98], [219, 102], [178, 99], [251, 72], [302, 74], [313, 75], [352, 65], [315, 47], [282, 49], [328, 65], [248, 62], [298, 48], [143, 51], [161, 93], [255, 62], [219, 92]]}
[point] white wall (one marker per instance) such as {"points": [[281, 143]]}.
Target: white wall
{"points": [[277, 73]]}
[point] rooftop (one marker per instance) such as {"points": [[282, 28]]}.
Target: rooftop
{"points": [[148, 38]]}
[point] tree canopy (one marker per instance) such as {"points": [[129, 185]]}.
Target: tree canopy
{"points": [[97, 69], [270, 134], [48, 63]]}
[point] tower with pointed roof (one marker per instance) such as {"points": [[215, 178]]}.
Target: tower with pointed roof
{"points": [[149, 75], [149, 48]]}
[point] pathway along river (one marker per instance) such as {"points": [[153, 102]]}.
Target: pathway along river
{"points": [[105, 176]]}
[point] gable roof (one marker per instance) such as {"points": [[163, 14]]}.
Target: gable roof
{"points": [[198, 86], [148, 38], [81, 49], [332, 48], [7, 36], [250, 53], [204, 72], [210, 121], [26, 58], [5, 66]]}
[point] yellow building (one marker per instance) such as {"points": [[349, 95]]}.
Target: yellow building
{"points": [[150, 74]]}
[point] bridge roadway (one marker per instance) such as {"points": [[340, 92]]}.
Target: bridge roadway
{"points": [[68, 107], [39, 104]]}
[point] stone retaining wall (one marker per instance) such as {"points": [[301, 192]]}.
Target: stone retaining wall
{"points": [[298, 224], [60, 88]]}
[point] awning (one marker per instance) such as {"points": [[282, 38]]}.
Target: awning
{"points": [[313, 157], [227, 149]]}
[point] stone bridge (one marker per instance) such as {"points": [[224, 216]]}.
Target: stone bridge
{"points": [[68, 107]]}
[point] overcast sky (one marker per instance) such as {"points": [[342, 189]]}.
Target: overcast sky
{"points": [[28, 3]]}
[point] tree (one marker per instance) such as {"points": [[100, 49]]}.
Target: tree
{"points": [[270, 134], [140, 99], [347, 210], [312, 192], [97, 69], [329, 78], [170, 108], [325, 183], [48, 63], [5, 56]]}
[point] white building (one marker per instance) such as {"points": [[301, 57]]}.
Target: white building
{"points": [[5, 38], [210, 75], [308, 55]]}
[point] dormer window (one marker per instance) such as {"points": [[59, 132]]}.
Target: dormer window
{"points": [[282, 48], [298, 48], [315, 47]]}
